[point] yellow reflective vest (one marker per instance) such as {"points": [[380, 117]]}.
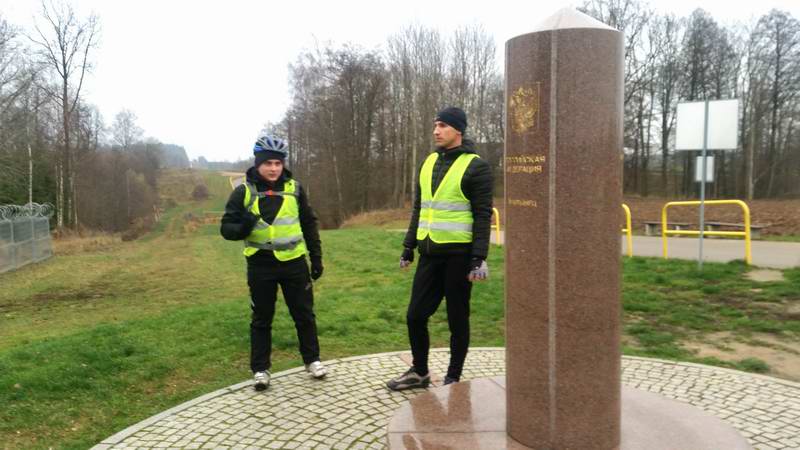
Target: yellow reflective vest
{"points": [[445, 215], [283, 236]]}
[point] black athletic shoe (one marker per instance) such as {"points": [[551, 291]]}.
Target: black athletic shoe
{"points": [[449, 380], [409, 380]]}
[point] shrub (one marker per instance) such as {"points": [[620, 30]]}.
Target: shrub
{"points": [[200, 192], [168, 203]]}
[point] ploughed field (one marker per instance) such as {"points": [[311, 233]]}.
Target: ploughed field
{"points": [[782, 216]]}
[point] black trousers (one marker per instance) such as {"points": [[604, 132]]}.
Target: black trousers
{"points": [[440, 277], [295, 282]]}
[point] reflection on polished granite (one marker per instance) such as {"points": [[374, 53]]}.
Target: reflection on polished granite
{"points": [[450, 410], [468, 415], [472, 416]]}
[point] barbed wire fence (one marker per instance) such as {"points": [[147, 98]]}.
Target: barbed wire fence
{"points": [[24, 234]]}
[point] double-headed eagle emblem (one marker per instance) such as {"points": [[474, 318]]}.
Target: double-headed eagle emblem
{"points": [[524, 109]]}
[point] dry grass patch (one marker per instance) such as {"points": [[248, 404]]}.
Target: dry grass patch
{"points": [[397, 218], [85, 242], [178, 184], [382, 218]]}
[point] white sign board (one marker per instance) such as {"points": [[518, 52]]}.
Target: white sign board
{"points": [[723, 125], [698, 169]]}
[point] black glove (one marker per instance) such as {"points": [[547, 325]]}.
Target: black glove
{"points": [[406, 258], [479, 270], [249, 221], [316, 268]]}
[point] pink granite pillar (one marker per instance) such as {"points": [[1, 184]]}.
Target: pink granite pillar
{"points": [[563, 162]]}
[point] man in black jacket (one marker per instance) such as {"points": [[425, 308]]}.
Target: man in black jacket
{"points": [[450, 226], [271, 214]]}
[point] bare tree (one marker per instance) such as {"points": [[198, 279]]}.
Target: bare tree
{"points": [[428, 58], [417, 59], [63, 43], [12, 87], [472, 67], [702, 31], [368, 114], [778, 42], [666, 35], [402, 82], [15, 75], [631, 17], [124, 131]]}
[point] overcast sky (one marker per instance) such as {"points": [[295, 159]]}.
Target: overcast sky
{"points": [[207, 75]]}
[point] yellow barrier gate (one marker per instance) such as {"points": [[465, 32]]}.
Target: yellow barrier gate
{"points": [[496, 225], [746, 233], [627, 229]]}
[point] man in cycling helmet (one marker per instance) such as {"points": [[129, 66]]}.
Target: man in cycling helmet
{"points": [[271, 214]]}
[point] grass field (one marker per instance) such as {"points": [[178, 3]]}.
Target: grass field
{"points": [[94, 341]]}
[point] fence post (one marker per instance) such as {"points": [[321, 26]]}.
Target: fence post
{"points": [[496, 226], [33, 240], [627, 229], [13, 246]]}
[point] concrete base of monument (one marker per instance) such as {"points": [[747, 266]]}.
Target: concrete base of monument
{"points": [[472, 415]]}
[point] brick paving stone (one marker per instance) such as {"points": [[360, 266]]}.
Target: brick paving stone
{"points": [[351, 407]]}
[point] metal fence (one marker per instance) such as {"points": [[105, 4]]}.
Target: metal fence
{"points": [[24, 235]]}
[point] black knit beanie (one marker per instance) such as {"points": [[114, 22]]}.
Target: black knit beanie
{"points": [[264, 155], [455, 117]]}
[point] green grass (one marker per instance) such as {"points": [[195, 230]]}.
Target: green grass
{"points": [[782, 238], [91, 343], [666, 302]]}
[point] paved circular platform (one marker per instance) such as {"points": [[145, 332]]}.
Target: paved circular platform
{"points": [[471, 415], [351, 408]]}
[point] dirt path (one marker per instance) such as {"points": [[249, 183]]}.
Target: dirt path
{"points": [[782, 355]]}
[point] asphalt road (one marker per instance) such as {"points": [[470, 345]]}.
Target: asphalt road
{"points": [[776, 255]]}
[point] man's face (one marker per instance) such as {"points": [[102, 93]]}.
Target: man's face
{"points": [[271, 169], [445, 136]]}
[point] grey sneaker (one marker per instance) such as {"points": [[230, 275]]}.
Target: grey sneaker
{"points": [[409, 380], [261, 380], [316, 369]]}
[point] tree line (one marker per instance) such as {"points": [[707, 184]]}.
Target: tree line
{"points": [[54, 146], [670, 59], [360, 120]]}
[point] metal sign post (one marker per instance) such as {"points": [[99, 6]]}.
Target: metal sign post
{"points": [[719, 132], [703, 187]]}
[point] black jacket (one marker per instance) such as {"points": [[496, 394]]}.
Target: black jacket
{"points": [[477, 187], [237, 222]]}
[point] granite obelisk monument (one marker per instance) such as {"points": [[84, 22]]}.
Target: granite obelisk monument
{"points": [[563, 193]]}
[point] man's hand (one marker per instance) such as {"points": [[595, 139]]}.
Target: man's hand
{"points": [[479, 270], [249, 221], [316, 268], [406, 258]]}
